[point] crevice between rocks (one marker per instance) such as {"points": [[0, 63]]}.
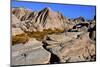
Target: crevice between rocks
{"points": [[54, 59]]}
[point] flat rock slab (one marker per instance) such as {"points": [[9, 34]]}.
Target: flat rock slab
{"points": [[31, 52], [37, 56], [63, 37], [28, 46]]}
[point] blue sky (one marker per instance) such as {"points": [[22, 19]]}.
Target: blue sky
{"points": [[68, 10]]}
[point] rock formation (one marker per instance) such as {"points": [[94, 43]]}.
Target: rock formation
{"points": [[38, 21], [76, 47], [47, 37], [31, 52]]}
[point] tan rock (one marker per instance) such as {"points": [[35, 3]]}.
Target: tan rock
{"points": [[16, 31], [15, 21], [41, 20], [81, 48], [21, 13]]}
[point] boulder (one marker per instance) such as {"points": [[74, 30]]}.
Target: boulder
{"points": [[31, 52], [81, 48]]}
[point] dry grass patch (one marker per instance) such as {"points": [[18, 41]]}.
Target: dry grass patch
{"points": [[22, 38], [40, 35]]}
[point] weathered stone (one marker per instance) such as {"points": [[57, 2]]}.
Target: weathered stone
{"points": [[92, 34], [15, 21], [16, 31], [31, 52], [55, 47], [33, 56], [62, 37], [81, 48], [41, 20], [21, 13], [15, 26]]}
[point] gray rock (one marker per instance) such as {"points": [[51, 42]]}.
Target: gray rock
{"points": [[34, 56], [62, 37], [79, 48], [31, 52]]}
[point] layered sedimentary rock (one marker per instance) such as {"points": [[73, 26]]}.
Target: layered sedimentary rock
{"points": [[46, 37], [20, 13], [15, 26], [76, 47], [31, 52], [38, 21]]}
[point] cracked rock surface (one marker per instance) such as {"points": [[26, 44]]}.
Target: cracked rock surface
{"points": [[47, 37]]}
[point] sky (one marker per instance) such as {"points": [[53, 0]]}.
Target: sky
{"points": [[68, 10]]}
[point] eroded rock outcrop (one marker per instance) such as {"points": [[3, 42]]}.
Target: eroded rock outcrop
{"points": [[16, 30], [78, 47], [38, 21], [47, 37], [21, 13], [31, 52], [92, 34]]}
